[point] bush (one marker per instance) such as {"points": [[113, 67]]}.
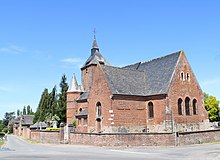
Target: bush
{"points": [[5, 130], [74, 123], [2, 133], [52, 129]]}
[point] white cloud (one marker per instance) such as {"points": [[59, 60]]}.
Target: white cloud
{"points": [[13, 49], [72, 60], [72, 63]]}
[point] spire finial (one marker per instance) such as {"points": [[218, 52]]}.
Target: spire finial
{"points": [[94, 45], [94, 31]]}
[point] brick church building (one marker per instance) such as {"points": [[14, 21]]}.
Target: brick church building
{"points": [[160, 95]]}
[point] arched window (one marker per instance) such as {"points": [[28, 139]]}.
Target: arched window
{"points": [[182, 76], [188, 77], [151, 110], [99, 109], [195, 106], [187, 106], [180, 103]]}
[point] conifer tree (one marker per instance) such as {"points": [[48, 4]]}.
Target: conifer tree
{"points": [[28, 110], [52, 102], [42, 110], [24, 110], [62, 99]]}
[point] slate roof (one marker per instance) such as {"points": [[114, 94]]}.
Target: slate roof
{"points": [[84, 96], [83, 113], [95, 57], [124, 81], [27, 119], [143, 78], [38, 124]]}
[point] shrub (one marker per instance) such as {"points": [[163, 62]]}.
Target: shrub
{"points": [[52, 129], [5, 130]]}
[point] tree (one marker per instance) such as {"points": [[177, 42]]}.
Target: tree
{"points": [[62, 99], [42, 110], [8, 117], [18, 112], [52, 102], [212, 106], [28, 109], [24, 111], [2, 126]]}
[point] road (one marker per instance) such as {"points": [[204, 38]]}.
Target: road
{"points": [[18, 149]]}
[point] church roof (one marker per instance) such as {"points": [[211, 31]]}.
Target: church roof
{"points": [[125, 81], [83, 97], [82, 114], [74, 87], [143, 78], [95, 57]]}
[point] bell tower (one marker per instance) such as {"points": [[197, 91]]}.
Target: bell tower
{"points": [[87, 70]]}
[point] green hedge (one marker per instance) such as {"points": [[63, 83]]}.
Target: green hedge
{"points": [[2, 133], [52, 129]]}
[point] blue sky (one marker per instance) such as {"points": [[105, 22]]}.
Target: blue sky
{"points": [[42, 40]]}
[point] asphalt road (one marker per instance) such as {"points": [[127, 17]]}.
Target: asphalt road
{"points": [[18, 149]]}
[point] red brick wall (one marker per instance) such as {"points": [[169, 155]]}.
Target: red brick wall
{"points": [[186, 88], [141, 139], [129, 112], [198, 137], [99, 92], [123, 139], [45, 136], [71, 110], [87, 75], [159, 107], [26, 132]]}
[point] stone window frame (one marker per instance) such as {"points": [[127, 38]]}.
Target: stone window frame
{"points": [[187, 106], [180, 106], [182, 78], [98, 109], [187, 76], [151, 110], [195, 108]]}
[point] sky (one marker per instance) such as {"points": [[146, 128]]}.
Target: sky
{"points": [[40, 40]]}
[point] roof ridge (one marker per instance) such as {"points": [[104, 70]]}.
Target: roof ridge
{"points": [[153, 59], [121, 68], [178, 52]]}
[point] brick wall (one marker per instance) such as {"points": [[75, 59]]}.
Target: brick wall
{"points": [[45, 136], [182, 88], [99, 92], [26, 132], [198, 137], [145, 139], [71, 105], [135, 139]]}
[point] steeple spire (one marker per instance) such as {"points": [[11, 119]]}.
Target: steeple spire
{"points": [[95, 47], [74, 87]]}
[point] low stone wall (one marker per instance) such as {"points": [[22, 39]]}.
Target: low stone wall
{"points": [[118, 139], [45, 136], [197, 137], [128, 139]]}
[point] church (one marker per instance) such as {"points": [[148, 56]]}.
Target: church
{"points": [[157, 96]]}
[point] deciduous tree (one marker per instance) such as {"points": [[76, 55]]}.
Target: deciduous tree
{"points": [[212, 106]]}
